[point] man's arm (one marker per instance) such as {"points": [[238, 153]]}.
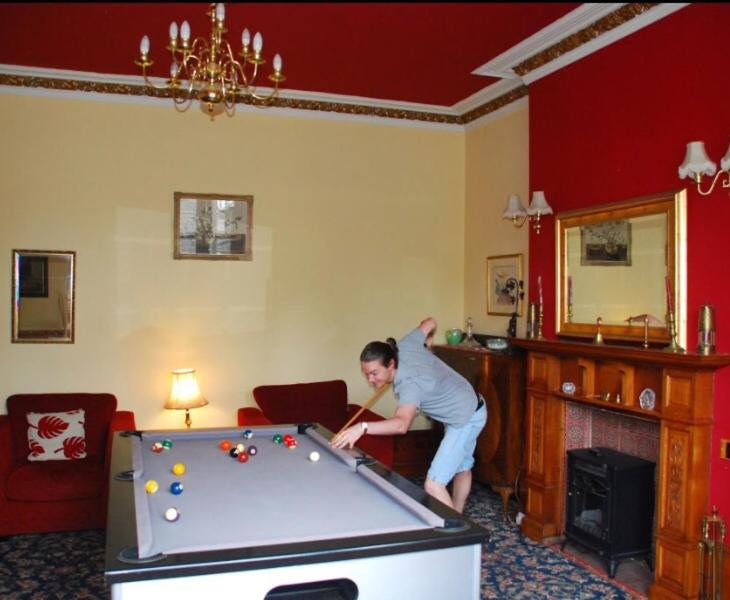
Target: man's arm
{"points": [[428, 326], [398, 424]]}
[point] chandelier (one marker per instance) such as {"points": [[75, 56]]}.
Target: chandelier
{"points": [[208, 70]]}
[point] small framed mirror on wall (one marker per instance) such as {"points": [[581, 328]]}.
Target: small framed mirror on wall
{"points": [[43, 296], [624, 263]]}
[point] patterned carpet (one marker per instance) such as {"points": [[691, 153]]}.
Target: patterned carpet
{"points": [[71, 565]]}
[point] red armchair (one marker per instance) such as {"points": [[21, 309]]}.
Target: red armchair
{"points": [[57, 495], [322, 402]]}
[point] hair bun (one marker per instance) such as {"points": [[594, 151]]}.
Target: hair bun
{"points": [[391, 342]]}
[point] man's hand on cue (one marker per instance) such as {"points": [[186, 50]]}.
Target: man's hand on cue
{"points": [[348, 437]]}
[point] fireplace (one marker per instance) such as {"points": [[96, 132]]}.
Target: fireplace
{"points": [[610, 504], [673, 390]]}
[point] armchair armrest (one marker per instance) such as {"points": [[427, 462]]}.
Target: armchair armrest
{"points": [[6, 458], [123, 420], [252, 416]]}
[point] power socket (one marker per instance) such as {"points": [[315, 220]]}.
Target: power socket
{"points": [[725, 449]]}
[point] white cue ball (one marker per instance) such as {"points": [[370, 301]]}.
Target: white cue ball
{"points": [[172, 514], [314, 456]]}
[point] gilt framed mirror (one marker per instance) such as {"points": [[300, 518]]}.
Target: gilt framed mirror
{"points": [[43, 296], [625, 263]]}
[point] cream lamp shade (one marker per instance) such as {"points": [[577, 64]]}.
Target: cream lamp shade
{"points": [[185, 393], [539, 205]]}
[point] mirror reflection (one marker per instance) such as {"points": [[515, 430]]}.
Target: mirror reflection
{"points": [[622, 263], [43, 296]]}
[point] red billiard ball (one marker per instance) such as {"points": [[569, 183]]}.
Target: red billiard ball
{"points": [[243, 457], [225, 445]]}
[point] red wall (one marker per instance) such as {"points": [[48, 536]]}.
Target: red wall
{"points": [[614, 126]]}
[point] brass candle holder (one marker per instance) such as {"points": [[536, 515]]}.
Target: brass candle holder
{"points": [[672, 328], [539, 322], [532, 321]]}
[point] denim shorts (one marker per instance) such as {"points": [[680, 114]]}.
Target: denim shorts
{"points": [[456, 451]]}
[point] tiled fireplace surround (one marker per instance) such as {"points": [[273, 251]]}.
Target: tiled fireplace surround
{"points": [[676, 434], [588, 427]]}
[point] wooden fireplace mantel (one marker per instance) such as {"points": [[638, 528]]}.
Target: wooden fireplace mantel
{"points": [[612, 377]]}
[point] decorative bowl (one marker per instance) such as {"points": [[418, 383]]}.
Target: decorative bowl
{"points": [[454, 336]]}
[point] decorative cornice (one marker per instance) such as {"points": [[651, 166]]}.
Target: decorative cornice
{"points": [[601, 26]]}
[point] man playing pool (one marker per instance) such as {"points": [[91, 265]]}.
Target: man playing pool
{"points": [[421, 381]]}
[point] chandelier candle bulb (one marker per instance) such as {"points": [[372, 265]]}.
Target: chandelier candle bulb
{"points": [[277, 63], [173, 33], [258, 43], [144, 46], [220, 12], [185, 32], [246, 38]]}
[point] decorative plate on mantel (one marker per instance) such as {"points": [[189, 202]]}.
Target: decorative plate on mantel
{"points": [[647, 399]]}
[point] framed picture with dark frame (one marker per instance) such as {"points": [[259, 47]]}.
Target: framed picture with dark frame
{"points": [[213, 226], [504, 283], [606, 244], [33, 273]]}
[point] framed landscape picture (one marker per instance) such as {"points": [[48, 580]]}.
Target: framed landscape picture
{"points": [[606, 244], [213, 227], [504, 284]]}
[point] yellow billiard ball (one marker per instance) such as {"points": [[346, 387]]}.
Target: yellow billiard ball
{"points": [[178, 468], [151, 486]]}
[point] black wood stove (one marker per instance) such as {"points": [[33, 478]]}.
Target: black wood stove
{"points": [[610, 504]]}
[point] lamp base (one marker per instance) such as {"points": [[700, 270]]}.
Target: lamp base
{"points": [[188, 420]]}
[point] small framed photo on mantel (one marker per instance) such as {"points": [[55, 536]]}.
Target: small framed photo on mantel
{"points": [[213, 226]]}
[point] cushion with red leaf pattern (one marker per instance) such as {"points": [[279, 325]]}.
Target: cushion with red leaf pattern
{"points": [[56, 436]]}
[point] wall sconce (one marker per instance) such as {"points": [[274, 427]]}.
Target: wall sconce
{"points": [[185, 393], [696, 164], [518, 214]]}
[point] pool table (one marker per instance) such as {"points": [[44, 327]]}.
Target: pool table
{"points": [[279, 525]]}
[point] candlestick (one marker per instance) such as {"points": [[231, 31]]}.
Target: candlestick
{"points": [[539, 321], [670, 308], [570, 290], [539, 288], [570, 299]]}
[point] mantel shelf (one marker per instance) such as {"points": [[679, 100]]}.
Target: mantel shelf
{"points": [[627, 353]]}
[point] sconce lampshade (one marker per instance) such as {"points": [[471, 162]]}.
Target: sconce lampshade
{"points": [[696, 162], [725, 162], [185, 392], [514, 208], [539, 205]]}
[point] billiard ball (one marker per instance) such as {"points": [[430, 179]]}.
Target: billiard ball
{"points": [[178, 468], [314, 456], [157, 447], [172, 514], [167, 444], [288, 437], [291, 444], [176, 488], [277, 439], [243, 457], [151, 486], [234, 452], [252, 450], [225, 445], [240, 447], [248, 434]]}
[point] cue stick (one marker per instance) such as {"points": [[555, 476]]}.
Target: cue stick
{"points": [[363, 408]]}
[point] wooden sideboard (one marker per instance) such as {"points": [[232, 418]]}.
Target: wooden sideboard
{"points": [[612, 378], [500, 378]]}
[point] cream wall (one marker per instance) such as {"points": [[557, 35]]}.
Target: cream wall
{"points": [[358, 234], [497, 165]]}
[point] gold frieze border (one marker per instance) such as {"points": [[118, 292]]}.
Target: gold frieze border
{"points": [[75, 85], [603, 25]]}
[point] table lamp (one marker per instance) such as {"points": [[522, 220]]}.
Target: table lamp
{"points": [[185, 393]]}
